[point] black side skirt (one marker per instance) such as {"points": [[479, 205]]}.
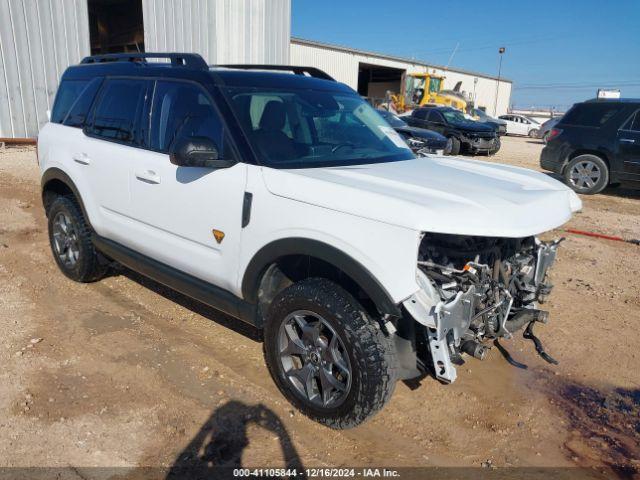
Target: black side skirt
{"points": [[184, 283]]}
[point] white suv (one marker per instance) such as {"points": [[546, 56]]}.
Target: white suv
{"points": [[286, 201]]}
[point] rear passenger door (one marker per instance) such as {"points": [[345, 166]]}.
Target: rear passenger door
{"points": [[628, 146], [113, 137], [175, 209]]}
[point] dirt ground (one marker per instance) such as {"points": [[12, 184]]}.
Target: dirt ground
{"points": [[124, 372]]}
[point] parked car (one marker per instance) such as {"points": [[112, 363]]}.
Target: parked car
{"points": [[286, 201], [521, 125], [545, 129], [466, 135], [481, 116], [596, 144], [420, 140]]}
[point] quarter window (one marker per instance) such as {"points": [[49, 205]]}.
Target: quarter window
{"points": [[68, 92], [116, 115], [80, 108], [183, 109]]}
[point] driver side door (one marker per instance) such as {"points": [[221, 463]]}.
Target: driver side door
{"points": [[176, 208]]}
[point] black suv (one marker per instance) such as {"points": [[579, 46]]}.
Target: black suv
{"points": [[466, 135], [596, 144]]}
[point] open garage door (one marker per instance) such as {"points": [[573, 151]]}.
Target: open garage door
{"points": [[374, 81], [115, 26]]}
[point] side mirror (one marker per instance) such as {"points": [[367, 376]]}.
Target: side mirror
{"points": [[197, 152]]}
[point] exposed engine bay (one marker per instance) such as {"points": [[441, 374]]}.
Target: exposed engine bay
{"points": [[475, 290]]}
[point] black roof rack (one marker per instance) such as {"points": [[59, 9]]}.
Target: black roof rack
{"points": [[311, 71], [185, 60]]}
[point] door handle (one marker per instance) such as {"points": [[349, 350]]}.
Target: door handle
{"points": [[148, 176], [81, 158], [628, 140]]}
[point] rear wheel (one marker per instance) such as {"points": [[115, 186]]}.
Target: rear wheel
{"points": [[326, 355], [587, 174], [70, 239]]}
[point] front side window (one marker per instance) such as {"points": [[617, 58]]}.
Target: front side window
{"points": [[68, 93], [184, 109], [309, 128], [453, 116], [116, 114]]}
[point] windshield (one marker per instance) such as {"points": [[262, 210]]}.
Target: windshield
{"points": [[310, 128], [479, 113], [392, 119], [453, 116]]}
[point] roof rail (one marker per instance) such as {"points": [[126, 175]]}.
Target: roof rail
{"points": [[311, 71], [186, 60]]}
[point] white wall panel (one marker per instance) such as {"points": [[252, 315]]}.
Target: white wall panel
{"points": [[222, 31], [38, 40]]}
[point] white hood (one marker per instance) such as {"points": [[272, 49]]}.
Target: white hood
{"points": [[435, 194]]}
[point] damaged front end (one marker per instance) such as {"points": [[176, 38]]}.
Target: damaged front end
{"points": [[474, 290]]}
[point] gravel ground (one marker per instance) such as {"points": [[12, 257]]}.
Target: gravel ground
{"points": [[124, 372]]}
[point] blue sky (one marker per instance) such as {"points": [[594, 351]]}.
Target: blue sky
{"points": [[558, 52]]}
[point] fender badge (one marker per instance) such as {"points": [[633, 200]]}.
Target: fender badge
{"points": [[218, 235]]}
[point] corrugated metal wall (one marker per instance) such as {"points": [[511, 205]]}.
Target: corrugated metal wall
{"points": [[222, 31], [38, 40], [343, 64]]}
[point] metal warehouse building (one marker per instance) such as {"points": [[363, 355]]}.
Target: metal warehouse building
{"points": [[40, 38], [372, 74]]}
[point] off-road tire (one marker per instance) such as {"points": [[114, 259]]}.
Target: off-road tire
{"points": [[371, 352], [90, 266], [455, 146], [602, 182]]}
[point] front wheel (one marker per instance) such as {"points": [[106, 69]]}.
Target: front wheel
{"points": [[587, 174], [453, 146], [326, 355], [533, 133]]}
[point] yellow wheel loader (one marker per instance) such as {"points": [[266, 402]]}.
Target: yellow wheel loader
{"points": [[426, 88]]}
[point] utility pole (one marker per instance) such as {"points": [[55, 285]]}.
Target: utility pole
{"points": [[501, 51], [475, 82]]}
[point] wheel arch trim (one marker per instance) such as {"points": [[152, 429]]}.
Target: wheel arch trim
{"points": [[272, 252], [56, 174]]}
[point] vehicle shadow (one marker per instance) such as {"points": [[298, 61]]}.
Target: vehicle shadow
{"points": [[189, 303], [217, 448]]}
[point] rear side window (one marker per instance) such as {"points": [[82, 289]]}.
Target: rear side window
{"points": [[420, 113], [68, 93], [116, 114], [435, 116], [80, 108], [184, 109], [591, 114]]}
